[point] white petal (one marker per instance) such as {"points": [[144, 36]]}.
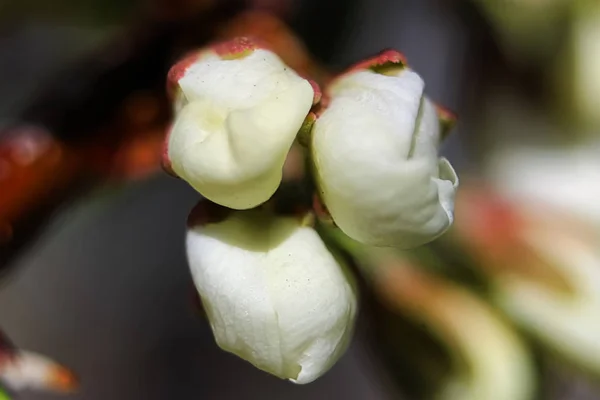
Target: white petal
{"points": [[375, 155], [234, 292], [236, 125], [233, 83], [273, 293], [315, 304]]}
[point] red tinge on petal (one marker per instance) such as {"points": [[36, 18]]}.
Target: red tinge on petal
{"points": [[386, 57], [236, 48], [166, 161], [447, 119], [274, 34], [321, 211], [445, 114], [230, 49], [316, 90], [178, 70], [383, 63]]}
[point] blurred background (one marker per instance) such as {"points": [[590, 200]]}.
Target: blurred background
{"points": [[93, 272]]}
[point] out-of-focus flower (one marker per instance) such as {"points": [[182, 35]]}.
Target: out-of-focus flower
{"points": [[544, 270], [489, 361], [27, 370], [565, 178], [375, 154], [273, 292], [238, 109], [487, 358]]}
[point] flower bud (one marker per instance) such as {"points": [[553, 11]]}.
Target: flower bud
{"points": [[273, 293], [375, 154], [238, 109]]}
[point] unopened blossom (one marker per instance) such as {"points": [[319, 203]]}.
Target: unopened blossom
{"points": [[375, 154], [273, 293], [238, 109]]}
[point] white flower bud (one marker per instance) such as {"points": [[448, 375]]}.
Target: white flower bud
{"points": [[375, 153], [238, 110], [273, 293]]}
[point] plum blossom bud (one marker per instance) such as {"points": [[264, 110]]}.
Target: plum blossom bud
{"points": [[273, 292], [375, 154], [238, 109]]}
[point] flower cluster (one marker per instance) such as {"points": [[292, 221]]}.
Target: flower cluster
{"points": [[275, 294]]}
